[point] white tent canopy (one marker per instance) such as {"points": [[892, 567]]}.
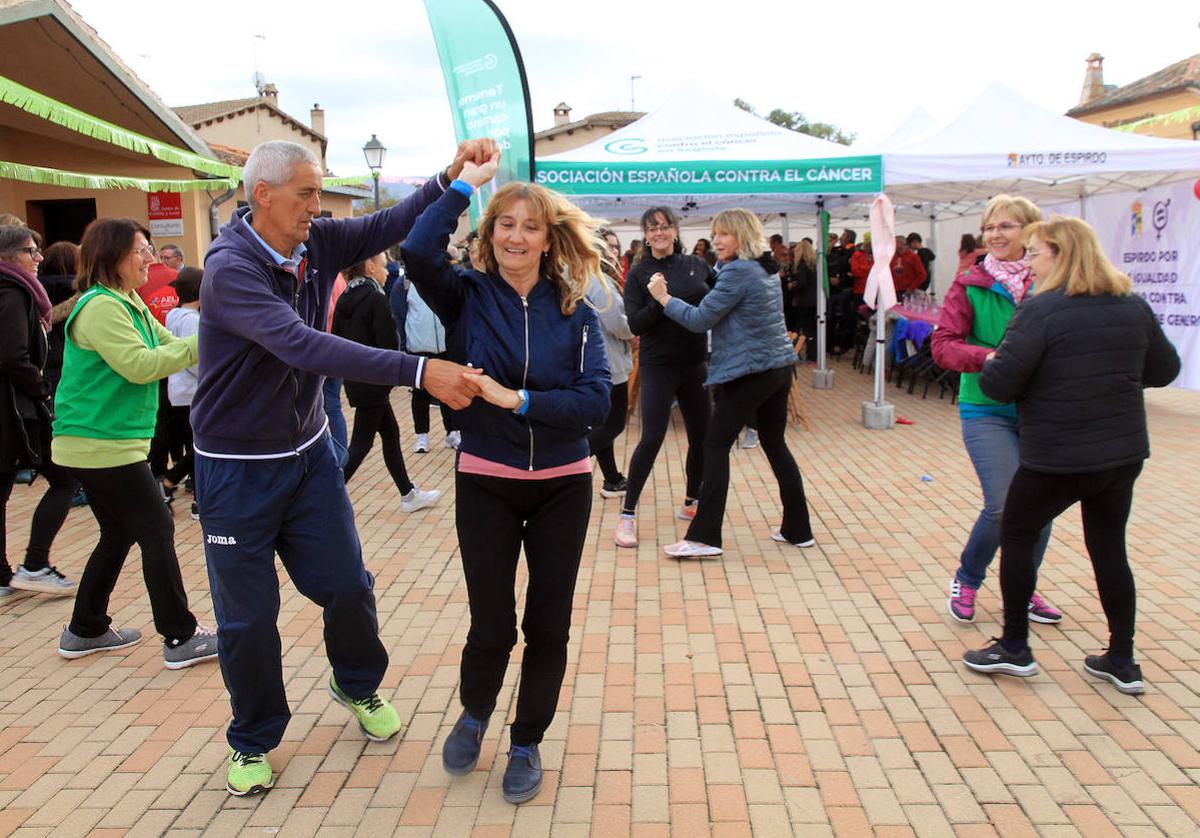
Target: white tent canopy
{"points": [[702, 154], [1004, 143]]}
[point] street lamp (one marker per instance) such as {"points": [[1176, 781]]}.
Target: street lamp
{"points": [[375, 151]]}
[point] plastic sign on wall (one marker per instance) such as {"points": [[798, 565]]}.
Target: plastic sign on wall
{"points": [[165, 211]]}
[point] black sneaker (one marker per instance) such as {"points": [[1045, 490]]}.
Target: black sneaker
{"points": [[996, 659], [195, 512], [615, 489], [1125, 677]]}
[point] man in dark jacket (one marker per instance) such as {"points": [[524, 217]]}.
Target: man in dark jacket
{"points": [[266, 478]]}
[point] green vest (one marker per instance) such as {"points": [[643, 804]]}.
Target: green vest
{"points": [[95, 401], [992, 312]]}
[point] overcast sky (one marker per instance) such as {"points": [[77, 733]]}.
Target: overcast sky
{"points": [[862, 66]]}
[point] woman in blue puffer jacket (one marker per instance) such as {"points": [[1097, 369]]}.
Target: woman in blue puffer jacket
{"points": [[524, 475], [751, 369]]}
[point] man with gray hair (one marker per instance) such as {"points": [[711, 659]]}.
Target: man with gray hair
{"points": [[266, 478], [171, 255]]}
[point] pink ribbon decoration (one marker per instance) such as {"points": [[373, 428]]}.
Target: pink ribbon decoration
{"points": [[881, 291]]}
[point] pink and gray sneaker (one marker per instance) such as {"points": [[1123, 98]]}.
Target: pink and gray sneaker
{"points": [[1041, 611], [961, 603]]}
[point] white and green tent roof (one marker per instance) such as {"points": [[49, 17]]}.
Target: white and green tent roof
{"points": [[702, 154]]}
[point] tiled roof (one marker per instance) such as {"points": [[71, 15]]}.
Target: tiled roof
{"points": [[229, 154], [1180, 75], [195, 115], [604, 119]]}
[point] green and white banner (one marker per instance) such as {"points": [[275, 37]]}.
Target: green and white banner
{"points": [[712, 177], [485, 80]]}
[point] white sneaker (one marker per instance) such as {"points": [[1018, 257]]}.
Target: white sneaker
{"points": [[422, 446], [418, 499], [691, 550], [776, 535], [750, 438], [45, 581], [626, 535], [453, 438]]}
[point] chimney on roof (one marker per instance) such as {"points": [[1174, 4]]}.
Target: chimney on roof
{"points": [[317, 119], [271, 93], [1093, 79], [562, 113]]}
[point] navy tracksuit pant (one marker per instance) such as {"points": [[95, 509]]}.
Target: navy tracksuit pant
{"points": [[296, 507]]}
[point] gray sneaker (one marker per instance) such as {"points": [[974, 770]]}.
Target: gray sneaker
{"points": [[45, 581], [418, 499], [73, 646], [200, 647]]}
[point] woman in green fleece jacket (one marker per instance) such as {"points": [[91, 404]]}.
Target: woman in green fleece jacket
{"points": [[105, 408]]}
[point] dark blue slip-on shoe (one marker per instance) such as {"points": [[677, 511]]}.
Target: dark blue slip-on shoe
{"points": [[997, 660], [523, 777], [460, 753]]}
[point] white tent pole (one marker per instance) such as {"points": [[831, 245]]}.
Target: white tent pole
{"points": [[932, 246], [822, 375]]}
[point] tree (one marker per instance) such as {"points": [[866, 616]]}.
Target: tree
{"points": [[796, 121]]}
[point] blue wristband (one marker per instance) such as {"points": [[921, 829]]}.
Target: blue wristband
{"points": [[462, 186], [524, 402]]}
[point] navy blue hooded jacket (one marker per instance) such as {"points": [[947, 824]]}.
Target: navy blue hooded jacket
{"points": [[521, 343], [264, 353]]}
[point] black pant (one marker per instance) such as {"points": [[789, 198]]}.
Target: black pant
{"points": [[602, 436], [659, 386], [762, 396], [421, 401], [495, 517], [162, 446], [179, 431], [807, 319], [48, 517], [367, 422], [129, 508], [1037, 498]]}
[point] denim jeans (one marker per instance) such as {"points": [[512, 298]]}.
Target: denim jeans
{"points": [[992, 444], [332, 392]]}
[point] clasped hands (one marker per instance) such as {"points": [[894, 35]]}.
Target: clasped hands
{"points": [[455, 386], [658, 288]]}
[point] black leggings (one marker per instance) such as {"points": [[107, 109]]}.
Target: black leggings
{"points": [[659, 386], [761, 396], [369, 421], [128, 504], [48, 517], [1037, 498], [602, 437], [496, 517], [179, 426]]}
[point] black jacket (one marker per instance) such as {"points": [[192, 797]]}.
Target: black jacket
{"points": [[362, 315], [58, 289], [24, 394], [663, 341], [1076, 367]]}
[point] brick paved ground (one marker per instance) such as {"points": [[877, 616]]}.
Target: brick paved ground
{"points": [[774, 692]]}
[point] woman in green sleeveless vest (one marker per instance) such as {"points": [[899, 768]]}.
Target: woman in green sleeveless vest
{"points": [[105, 409], [974, 317]]}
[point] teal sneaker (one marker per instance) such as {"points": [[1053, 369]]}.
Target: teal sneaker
{"points": [[376, 716], [248, 774]]}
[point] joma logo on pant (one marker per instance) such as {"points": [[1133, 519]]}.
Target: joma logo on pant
{"points": [[222, 539]]}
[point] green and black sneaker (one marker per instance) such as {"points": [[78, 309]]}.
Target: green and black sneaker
{"points": [[376, 716], [248, 774]]}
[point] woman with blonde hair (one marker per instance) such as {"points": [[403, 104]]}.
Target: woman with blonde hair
{"points": [[524, 470], [751, 371], [1075, 359], [974, 316], [801, 302]]}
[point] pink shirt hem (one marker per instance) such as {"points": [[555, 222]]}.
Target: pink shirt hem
{"points": [[470, 464]]}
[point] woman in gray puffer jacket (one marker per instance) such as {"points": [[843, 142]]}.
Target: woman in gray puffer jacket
{"points": [[605, 296], [751, 369]]}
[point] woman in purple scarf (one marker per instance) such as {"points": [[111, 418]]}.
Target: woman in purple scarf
{"points": [[25, 412]]}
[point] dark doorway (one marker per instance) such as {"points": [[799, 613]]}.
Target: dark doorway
{"points": [[60, 220]]}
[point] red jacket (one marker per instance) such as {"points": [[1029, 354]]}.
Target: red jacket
{"points": [[158, 294], [860, 265], [955, 320], [907, 271]]}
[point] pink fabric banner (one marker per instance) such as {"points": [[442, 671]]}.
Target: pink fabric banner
{"points": [[881, 291]]}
